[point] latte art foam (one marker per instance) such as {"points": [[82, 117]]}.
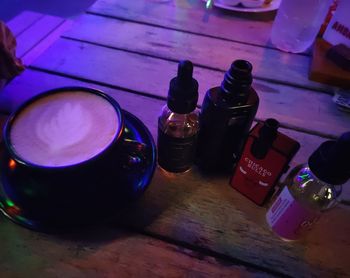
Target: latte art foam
{"points": [[64, 129]]}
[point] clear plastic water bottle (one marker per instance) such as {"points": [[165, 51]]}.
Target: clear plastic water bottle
{"points": [[297, 24], [311, 189]]}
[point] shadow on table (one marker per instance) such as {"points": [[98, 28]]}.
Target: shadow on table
{"points": [[165, 191], [11, 8]]}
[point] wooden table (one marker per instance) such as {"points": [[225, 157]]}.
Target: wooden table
{"points": [[188, 225]]}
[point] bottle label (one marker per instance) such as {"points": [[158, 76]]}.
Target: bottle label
{"points": [[254, 178], [288, 218], [176, 154]]}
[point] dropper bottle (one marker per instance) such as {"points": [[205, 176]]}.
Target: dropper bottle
{"points": [[311, 189], [178, 124]]}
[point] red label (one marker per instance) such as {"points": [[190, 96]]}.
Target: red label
{"points": [[254, 178]]}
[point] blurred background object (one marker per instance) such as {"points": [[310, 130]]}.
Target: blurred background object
{"points": [[331, 54], [11, 8], [295, 28], [10, 65]]}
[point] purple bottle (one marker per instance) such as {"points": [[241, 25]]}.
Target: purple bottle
{"points": [[311, 189]]}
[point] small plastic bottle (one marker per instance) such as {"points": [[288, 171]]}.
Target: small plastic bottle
{"points": [[311, 189], [178, 124], [297, 23]]}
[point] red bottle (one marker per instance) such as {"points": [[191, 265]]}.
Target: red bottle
{"points": [[265, 158]]}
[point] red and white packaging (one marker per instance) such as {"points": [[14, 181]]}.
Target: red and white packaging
{"points": [[338, 30], [256, 178]]}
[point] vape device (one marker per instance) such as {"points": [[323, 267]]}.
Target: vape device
{"points": [[227, 114], [265, 158]]}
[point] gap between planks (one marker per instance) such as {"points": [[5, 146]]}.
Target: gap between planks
{"points": [[56, 26], [185, 31], [274, 81], [286, 102], [23, 22], [195, 11], [190, 203], [150, 95], [206, 252], [104, 250]]}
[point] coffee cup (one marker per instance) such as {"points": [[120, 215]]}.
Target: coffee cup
{"points": [[70, 156]]}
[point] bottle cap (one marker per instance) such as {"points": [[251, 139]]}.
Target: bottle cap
{"points": [[183, 90], [330, 162], [238, 79]]}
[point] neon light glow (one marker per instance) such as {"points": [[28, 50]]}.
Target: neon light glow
{"points": [[9, 203], [330, 195], [304, 175], [12, 164], [306, 183]]}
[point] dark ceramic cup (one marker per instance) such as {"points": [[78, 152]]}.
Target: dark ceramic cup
{"points": [[44, 196]]}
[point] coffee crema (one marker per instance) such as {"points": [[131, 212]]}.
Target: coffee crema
{"points": [[64, 129]]}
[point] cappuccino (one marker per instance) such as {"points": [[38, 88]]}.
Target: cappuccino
{"points": [[64, 129]]}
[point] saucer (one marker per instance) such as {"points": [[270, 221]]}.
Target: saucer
{"points": [[138, 179], [274, 5]]}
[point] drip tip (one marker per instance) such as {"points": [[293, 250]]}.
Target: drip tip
{"points": [[267, 135], [183, 90], [238, 80], [185, 73], [241, 69]]}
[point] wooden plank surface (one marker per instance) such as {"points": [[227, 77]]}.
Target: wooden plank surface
{"points": [[198, 212], [269, 64], [191, 16], [36, 33], [305, 109], [43, 44], [23, 21], [104, 252], [205, 212]]}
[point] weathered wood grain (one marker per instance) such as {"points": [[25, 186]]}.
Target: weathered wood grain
{"points": [[191, 16], [27, 85], [46, 42], [205, 212], [37, 32], [302, 108], [104, 252], [23, 21], [200, 212], [268, 63]]}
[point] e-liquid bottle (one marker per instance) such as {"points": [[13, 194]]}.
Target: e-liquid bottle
{"points": [[311, 189], [266, 156], [226, 117], [178, 123]]}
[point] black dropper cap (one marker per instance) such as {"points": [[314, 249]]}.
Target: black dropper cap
{"points": [[183, 91], [267, 135], [238, 80], [330, 162]]}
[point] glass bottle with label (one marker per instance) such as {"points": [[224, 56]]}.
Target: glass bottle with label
{"points": [[311, 189], [178, 124]]}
